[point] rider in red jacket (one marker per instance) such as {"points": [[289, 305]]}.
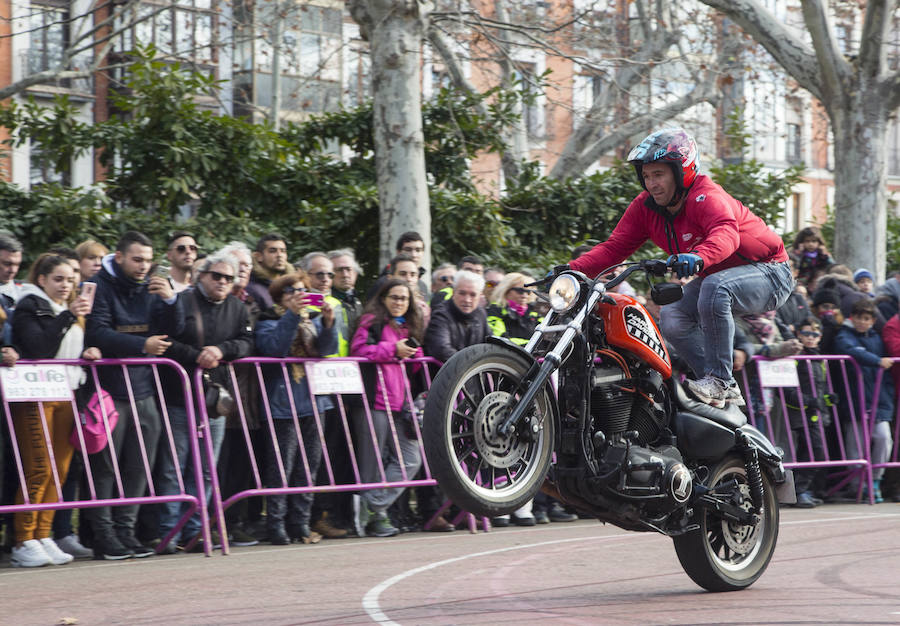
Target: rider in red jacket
{"points": [[741, 263]]}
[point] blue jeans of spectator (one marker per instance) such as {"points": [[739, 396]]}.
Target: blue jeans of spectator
{"points": [[296, 507], [700, 326], [167, 481]]}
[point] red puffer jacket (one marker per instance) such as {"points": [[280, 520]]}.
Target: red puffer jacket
{"points": [[712, 224]]}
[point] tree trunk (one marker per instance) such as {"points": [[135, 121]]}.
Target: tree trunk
{"points": [[395, 30], [860, 175]]}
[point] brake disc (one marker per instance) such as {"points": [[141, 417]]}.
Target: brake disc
{"points": [[741, 538], [496, 449]]}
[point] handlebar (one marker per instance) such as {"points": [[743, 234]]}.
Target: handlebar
{"points": [[654, 267]]}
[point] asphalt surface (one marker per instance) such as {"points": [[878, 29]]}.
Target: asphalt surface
{"points": [[837, 564]]}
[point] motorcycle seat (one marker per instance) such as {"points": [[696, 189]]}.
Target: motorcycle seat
{"points": [[731, 416]]}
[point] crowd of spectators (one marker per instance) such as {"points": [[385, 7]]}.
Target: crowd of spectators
{"points": [[204, 309]]}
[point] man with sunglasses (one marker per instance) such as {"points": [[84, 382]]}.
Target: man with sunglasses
{"points": [[216, 330], [181, 254]]}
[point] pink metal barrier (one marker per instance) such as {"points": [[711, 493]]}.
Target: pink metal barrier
{"points": [[90, 461], [893, 460], [850, 434], [352, 407]]}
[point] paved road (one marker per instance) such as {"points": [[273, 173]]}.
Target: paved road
{"points": [[835, 564]]}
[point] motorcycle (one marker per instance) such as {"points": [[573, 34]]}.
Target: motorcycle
{"points": [[617, 436]]}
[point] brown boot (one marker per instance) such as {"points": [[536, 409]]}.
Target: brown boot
{"points": [[440, 525], [327, 530]]}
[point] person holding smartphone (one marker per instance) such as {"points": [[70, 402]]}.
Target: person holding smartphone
{"points": [[48, 324], [390, 329], [291, 329]]}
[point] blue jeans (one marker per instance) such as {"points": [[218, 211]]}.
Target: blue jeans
{"points": [[167, 481], [700, 326]]}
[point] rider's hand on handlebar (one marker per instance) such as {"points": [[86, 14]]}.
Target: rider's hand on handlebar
{"points": [[685, 264]]}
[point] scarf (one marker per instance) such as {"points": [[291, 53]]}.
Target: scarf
{"points": [[261, 272], [304, 343], [762, 325], [521, 309]]}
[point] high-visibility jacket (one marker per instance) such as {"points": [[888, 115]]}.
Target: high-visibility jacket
{"points": [[505, 322]]}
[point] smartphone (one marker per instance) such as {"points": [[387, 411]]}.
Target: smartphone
{"points": [[162, 270], [412, 342], [87, 292], [315, 299]]}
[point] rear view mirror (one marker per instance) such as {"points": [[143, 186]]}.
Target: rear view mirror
{"points": [[666, 293]]}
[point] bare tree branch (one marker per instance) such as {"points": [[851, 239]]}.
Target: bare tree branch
{"points": [[875, 32], [833, 67], [788, 49], [703, 92]]}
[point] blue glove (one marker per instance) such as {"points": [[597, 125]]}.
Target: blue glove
{"points": [[685, 264]]}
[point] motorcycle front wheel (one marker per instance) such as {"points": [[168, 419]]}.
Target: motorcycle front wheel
{"points": [[723, 555], [480, 470]]}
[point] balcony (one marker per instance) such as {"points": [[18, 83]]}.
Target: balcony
{"points": [[35, 60]]}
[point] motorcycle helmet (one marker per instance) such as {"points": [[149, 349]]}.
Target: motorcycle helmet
{"points": [[673, 146]]}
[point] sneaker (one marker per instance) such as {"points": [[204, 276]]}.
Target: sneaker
{"points": [[139, 550], [240, 537], [876, 491], [70, 545], [522, 520], [559, 514], [500, 522], [57, 556], [733, 394], [169, 548], [216, 541], [441, 525], [541, 517], [805, 501], [361, 515], [30, 554], [328, 530], [111, 549], [710, 390], [380, 526]]}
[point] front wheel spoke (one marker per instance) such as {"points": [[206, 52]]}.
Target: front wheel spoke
{"points": [[466, 453], [466, 434], [463, 416], [469, 399], [473, 473]]}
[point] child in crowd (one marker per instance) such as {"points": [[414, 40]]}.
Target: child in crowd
{"points": [[810, 255], [865, 282], [858, 339], [809, 412]]}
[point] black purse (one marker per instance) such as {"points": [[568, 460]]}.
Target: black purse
{"points": [[218, 399]]}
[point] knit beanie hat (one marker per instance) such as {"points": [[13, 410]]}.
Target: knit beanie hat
{"points": [[862, 273], [826, 295]]}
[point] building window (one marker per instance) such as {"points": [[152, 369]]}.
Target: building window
{"points": [[42, 170], [184, 29], [794, 144], [49, 37]]}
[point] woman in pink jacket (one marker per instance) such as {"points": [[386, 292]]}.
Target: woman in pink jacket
{"points": [[390, 329]]}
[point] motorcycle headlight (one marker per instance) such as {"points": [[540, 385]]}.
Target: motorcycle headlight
{"points": [[564, 292]]}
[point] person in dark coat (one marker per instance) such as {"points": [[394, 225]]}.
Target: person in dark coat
{"points": [[134, 315], [460, 322], [216, 330]]}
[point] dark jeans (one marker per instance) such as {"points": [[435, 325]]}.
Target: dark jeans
{"points": [[62, 521], [294, 508], [338, 504], [125, 439], [804, 479], [236, 473]]}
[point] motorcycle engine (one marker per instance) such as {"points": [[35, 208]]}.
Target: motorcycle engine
{"points": [[620, 404]]}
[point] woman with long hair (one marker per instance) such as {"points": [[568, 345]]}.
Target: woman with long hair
{"points": [[511, 313], [386, 331], [48, 324]]}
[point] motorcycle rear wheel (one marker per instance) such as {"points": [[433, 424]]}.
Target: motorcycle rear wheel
{"points": [[723, 555], [481, 471]]}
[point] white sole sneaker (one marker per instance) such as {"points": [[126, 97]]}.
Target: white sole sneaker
{"points": [[31, 554], [57, 556]]}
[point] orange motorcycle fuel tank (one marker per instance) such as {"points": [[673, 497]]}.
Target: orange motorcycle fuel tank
{"points": [[630, 327]]}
